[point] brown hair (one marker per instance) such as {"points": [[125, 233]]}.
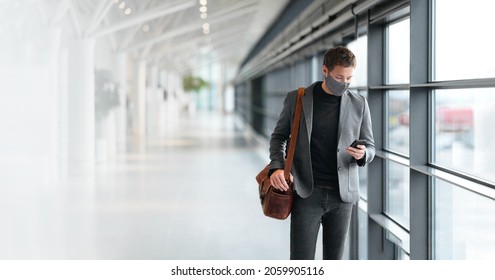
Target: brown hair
{"points": [[339, 56]]}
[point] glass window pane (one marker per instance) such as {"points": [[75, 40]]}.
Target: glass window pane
{"points": [[398, 53], [363, 182], [363, 171], [362, 235], [464, 131], [457, 19], [397, 193], [463, 224], [398, 121], [360, 49]]}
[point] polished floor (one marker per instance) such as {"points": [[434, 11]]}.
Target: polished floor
{"points": [[189, 194]]}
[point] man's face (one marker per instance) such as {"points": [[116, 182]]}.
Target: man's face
{"points": [[340, 73]]}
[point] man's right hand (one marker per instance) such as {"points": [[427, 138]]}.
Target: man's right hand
{"points": [[277, 179]]}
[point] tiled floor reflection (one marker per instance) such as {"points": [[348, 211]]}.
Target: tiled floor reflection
{"points": [[188, 195]]}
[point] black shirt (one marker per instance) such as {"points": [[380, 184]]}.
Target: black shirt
{"points": [[326, 111]]}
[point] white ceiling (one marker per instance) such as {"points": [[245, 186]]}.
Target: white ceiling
{"points": [[168, 33]]}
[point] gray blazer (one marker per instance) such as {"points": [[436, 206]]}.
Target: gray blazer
{"points": [[355, 123]]}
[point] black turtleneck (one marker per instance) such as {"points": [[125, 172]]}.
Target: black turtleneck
{"points": [[326, 111]]}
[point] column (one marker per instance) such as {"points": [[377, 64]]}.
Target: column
{"points": [[81, 102], [172, 104], [28, 111], [121, 111], [138, 104], [153, 98]]}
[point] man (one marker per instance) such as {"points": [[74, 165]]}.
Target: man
{"points": [[324, 168]]}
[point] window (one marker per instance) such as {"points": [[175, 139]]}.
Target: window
{"points": [[360, 49], [397, 72], [398, 121], [463, 224], [398, 53], [363, 182], [457, 22], [462, 126], [397, 193], [464, 131], [362, 235]]}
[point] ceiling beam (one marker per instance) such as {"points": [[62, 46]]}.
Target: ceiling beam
{"points": [[181, 61], [74, 16], [145, 16], [229, 32], [100, 12], [129, 35], [193, 26], [173, 53]]}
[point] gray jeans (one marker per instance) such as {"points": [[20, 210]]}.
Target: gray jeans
{"points": [[323, 206]]}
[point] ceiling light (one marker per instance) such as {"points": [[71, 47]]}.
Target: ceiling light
{"points": [[203, 2], [203, 9], [146, 28], [116, 1], [128, 11], [206, 28], [204, 15], [122, 5]]}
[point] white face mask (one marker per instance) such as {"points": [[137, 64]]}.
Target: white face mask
{"points": [[336, 88]]}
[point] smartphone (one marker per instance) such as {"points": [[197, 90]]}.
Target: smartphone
{"points": [[358, 142]]}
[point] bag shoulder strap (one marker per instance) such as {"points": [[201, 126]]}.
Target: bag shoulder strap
{"points": [[294, 132]]}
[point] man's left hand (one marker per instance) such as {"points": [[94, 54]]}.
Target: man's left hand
{"points": [[358, 152]]}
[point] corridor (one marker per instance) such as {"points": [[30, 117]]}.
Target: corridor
{"points": [[190, 194]]}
